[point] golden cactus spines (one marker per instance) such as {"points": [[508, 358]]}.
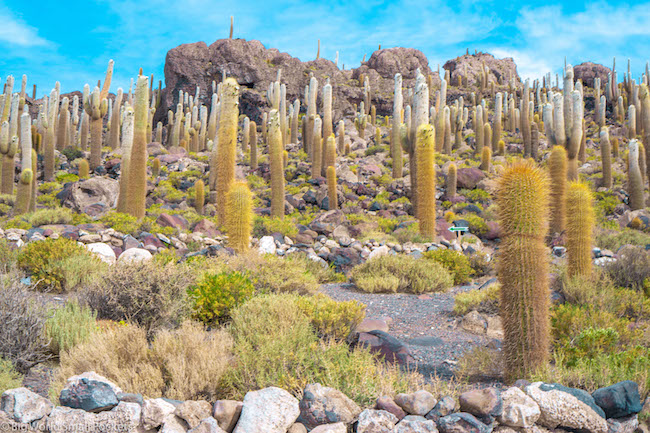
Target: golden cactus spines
{"points": [[317, 149], [227, 144], [615, 147], [377, 136], [285, 158], [155, 167], [486, 158], [96, 109], [330, 151], [523, 267], [501, 148], [452, 179], [579, 228], [137, 184], [606, 157], [253, 144], [24, 192], [557, 165], [635, 178], [84, 169], [274, 134], [199, 196], [331, 188], [426, 179], [239, 216]]}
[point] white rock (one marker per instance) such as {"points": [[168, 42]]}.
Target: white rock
{"points": [[173, 424], [91, 375], [103, 251], [378, 252], [519, 410], [267, 245], [416, 426], [25, 406], [134, 255], [376, 421], [269, 410], [339, 427], [155, 411], [208, 425]]}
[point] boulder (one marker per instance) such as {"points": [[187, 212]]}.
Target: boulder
{"points": [[95, 196], [462, 422], [388, 404], [469, 177], [445, 406], [628, 424], [227, 413], [619, 400], [338, 427], [155, 411], [417, 403], [469, 66], [207, 425], [324, 405], [485, 404], [387, 346], [135, 255], [567, 408], [376, 421], [173, 424], [589, 71], [412, 424], [25, 406], [173, 221], [378, 252], [125, 415], [103, 251], [368, 325], [90, 395], [297, 428], [269, 410], [267, 245], [519, 410], [192, 412]]}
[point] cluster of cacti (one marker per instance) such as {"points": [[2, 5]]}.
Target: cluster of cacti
{"points": [[523, 268]]}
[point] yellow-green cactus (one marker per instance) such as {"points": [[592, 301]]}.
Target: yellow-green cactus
{"points": [[331, 188], [84, 169], [557, 165], [579, 227], [137, 170], [452, 179], [199, 196], [239, 216], [253, 144], [426, 179], [227, 144], [276, 150]]}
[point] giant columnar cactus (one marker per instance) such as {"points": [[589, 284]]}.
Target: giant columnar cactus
{"points": [[642, 161], [62, 134], [239, 216], [137, 170], [525, 119], [253, 143], [114, 132], [396, 138], [644, 96], [451, 181], [107, 81], [366, 95], [631, 121], [50, 138], [199, 196], [330, 151], [534, 141], [25, 186], [340, 136], [226, 144], [606, 156], [84, 169], [6, 106], [332, 195], [246, 134], [203, 127], [212, 120], [574, 140], [426, 179], [580, 226], [478, 129], [277, 170], [420, 116], [96, 109], [8, 147], [557, 165], [486, 157], [360, 121], [447, 136], [317, 148], [283, 114], [176, 129], [635, 178], [294, 121], [523, 268], [311, 115], [327, 120], [74, 121], [497, 128]]}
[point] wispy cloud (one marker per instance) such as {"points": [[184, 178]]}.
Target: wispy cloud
{"points": [[15, 32]]}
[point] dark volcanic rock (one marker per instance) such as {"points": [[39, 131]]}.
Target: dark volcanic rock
{"points": [[588, 71], [469, 65]]}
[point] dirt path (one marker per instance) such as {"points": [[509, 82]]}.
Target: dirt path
{"points": [[425, 323]]}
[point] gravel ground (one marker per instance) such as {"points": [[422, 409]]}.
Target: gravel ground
{"points": [[425, 323]]}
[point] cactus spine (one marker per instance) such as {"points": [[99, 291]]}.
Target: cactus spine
{"points": [[137, 170], [62, 137], [606, 156], [452, 179], [155, 168], [331, 187], [426, 179], [635, 178], [294, 121], [396, 138], [277, 167], [557, 164], [239, 210], [226, 144], [525, 119], [199, 196], [523, 268], [580, 225], [330, 151]]}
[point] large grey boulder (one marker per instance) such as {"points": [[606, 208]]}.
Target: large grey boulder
{"points": [[269, 410]]}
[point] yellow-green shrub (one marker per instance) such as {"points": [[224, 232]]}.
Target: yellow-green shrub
{"points": [[70, 325], [400, 273], [9, 377], [330, 318], [484, 301], [456, 263], [214, 295]]}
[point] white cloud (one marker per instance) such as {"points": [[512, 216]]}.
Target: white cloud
{"points": [[15, 32], [527, 66]]}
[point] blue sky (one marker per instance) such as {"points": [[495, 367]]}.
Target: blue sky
{"points": [[72, 41]]}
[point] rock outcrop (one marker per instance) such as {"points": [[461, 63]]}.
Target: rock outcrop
{"points": [[469, 65], [588, 71]]}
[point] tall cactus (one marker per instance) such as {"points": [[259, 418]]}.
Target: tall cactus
{"points": [[317, 148], [62, 136], [396, 138], [239, 216], [644, 96], [96, 109], [24, 191], [606, 157], [580, 225], [127, 145], [330, 151], [498, 122], [327, 121], [525, 119], [294, 121], [253, 144], [557, 165], [227, 144], [8, 148], [452, 179], [137, 185], [277, 170], [486, 158], [114, 132], [199, 196], [523, 268], [635, 179], [331, 188], [426, 179]]}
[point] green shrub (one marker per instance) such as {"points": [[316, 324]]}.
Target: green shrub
{"points": [[613, 240], [484, 301], [72, 153], [330, 318], [8, 255], [477, 225], [121, 222], [275, 345], [59, 265], [264, 226], [481, 263], [214, 295], [9, 377], [455, 262], [70, 325], [631, 268], [324, 274], [148, 294], [58, 215], [400, 273]]}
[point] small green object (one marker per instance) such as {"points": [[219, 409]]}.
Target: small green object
{"points": [[458, 229]]}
